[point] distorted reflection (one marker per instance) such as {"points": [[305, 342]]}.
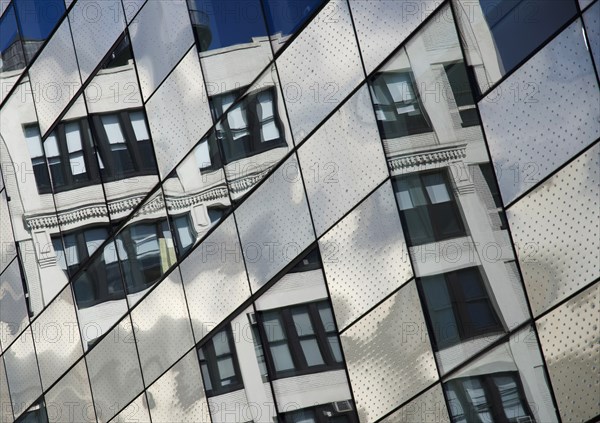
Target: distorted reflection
{"points": [[285, 17]]}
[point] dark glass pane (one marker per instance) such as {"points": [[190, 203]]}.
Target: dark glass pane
{"points": [[37, 19], [469, 117], [481, 316], [11, 49], [120, 56], [488, 173], [459, 83], [42, 178], [417, 227], [446, 219], [224, 23], [286, 16], [440, 311], [519, 26], [471, 284]]}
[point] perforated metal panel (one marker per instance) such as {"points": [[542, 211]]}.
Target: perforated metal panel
{"points": [[5, 405], [160, 35], [591, 18], [132, 7], [429, 407], [343, 161], [320, 68], [13, 312], [178, 113], [178, 395], [557, 234], [570, 341], [388, 355], [9, 250], [162, 327], [365, 256], [70, 400], [543, 114], [274, 223], [215, 267], [95, 26], [114, 371], [57, 339], [381, 25], [54, 77], [22, 373], [136, 412]]}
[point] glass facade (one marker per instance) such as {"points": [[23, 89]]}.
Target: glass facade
{"points": [[299, 211]]}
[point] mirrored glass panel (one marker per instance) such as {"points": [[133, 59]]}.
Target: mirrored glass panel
{"points": [[285, 17], [119, 127], [14, 314], [509, 383], [114, 371], [591, 18], [387, 345], [214, 267], [6, 411], [429, 407], [136, 412], [254, 134], [365, 256], [146, 248], [13, 60], [70, 400], [178, 395], [8, 247], [162, 327], [31, 206], [37, 413], [269, 241], [196, 193], [314, 87], [498, 35], [22, 372], [160, 34], [57, 339], [233, 43]]}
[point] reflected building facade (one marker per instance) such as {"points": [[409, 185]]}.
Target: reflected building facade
{"points": [[299, 211]]}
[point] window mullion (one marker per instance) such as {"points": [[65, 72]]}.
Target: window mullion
{"points": [[65, 164], [293, 341], [89, 156], [131, 140], [103, 145], [321, 335]]}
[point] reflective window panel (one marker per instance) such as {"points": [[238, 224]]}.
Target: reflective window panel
{"points": [[285, 17], [70, 400], [135, 412], [14, 313], [6, 410], [429, 407], [500, 34], [591, 18]]}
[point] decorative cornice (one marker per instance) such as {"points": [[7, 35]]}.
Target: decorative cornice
{"points": [[248, 182], [179, 203], [429, 157]]}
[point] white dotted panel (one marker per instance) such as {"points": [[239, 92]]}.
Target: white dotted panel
{"points": [[13, 310], [136, 412], [162, 327], [429, 407], [70, 400], [543, 114], [57, 339], [22, 373], [114, 371], [160, 35], [591, 18], [342, 161], [7, 241], [584, 3], [557, 232], [178, 395], [178, 114], [5, 407], [381, 25], [571, 344], [320, 68], [274, 223], [54, 77], [132, 7], [95, 26], [388, 355], [214, 278], [365, 256]]}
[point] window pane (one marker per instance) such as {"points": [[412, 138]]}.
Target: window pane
{"points": [[94, 238], [481, 315], [477, 398], [281, 357], [238, 122], [34, 143], [185, 234], [301, 416], [226, 370], [113, 129], [51, 146], [139, 125], [409, 192], [71, 252], [312, 353], [417, 224], [269, 131], [60, 254], [400, 87], [436, 188], [454, 406], [77, 163], [440, 311], [334, 345], [202, 155], [206, 377], [326, 317], [471, 284], [302, 322], [510, 395], [221, 343], [273, 327], [446, 219]]}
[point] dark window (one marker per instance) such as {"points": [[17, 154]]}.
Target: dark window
{"points": [[398, 106], [120, 56], [337, 412], [147, 253], [428, 209], [300, 340], [219, 364], [35, 414], [461, 89], [185, 236], [101, 280], [496, 397], [458, 307], [487, 169], [251, 127], [124, 144], [38, 159], [207, 154]]}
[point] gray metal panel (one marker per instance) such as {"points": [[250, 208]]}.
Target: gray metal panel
{"points": [[70, 400]]}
